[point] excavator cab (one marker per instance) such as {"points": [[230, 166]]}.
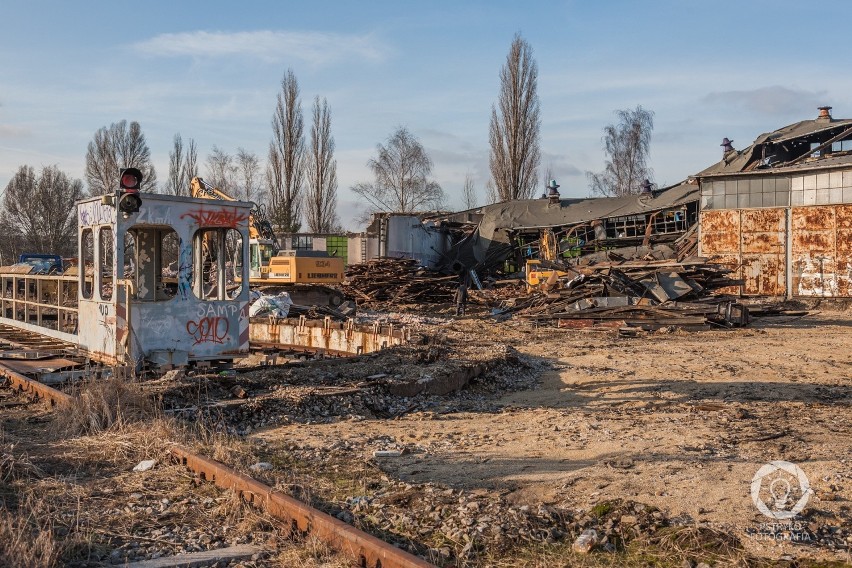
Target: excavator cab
{"points": [[260, 253]]}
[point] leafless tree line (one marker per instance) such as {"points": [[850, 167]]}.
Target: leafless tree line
{"points": [[299, 180], [627, 145]]}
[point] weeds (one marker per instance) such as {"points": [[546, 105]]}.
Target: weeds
{"points": [[103, 404], [26, 537], [13, 468]]}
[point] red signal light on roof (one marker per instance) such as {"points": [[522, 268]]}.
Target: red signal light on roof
{"points": [[131, 179]]}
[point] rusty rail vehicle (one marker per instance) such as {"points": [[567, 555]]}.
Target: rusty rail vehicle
{"points": [[154, 286]]}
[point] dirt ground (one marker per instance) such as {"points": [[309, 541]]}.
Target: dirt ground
{"points": [[679, 421]]}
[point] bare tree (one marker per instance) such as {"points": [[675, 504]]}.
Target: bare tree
{"points": [[285, 170], [402, 170], [321, 202], [515, 125], [248, 172], [627, 145], [177, 169], [222, 173], [183, 166], [469, 192], [39, 212], [116, 147], [491, 194], [190, 162]]}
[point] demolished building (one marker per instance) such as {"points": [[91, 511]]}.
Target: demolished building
{"points": [[628, 226], [779, 212]]}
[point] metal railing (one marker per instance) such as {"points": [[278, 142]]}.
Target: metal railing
{"points": [[45, 301]]}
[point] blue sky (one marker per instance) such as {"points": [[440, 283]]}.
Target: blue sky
{"points": [[211, 71]]}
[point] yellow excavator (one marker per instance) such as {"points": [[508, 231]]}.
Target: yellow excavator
{"points": [[543, 272], [308, 276]]}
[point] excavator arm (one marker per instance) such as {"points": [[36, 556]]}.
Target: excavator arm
{"points": [[259, 224]]}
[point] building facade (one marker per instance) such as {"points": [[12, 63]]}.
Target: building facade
{"points": [[780, 212]]}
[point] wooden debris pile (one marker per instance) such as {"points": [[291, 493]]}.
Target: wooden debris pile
{"points": [[649, 295], [394, 281]]}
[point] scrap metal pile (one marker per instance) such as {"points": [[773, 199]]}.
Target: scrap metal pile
{"points": [[638, 295], [395, 281]]}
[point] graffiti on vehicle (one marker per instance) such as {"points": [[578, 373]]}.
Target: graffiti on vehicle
{"points": [[216, 217], [208, 330], [184, 272], [95, 213]]}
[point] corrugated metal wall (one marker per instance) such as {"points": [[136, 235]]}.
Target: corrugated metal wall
{"points": [[821, 250], [754, 242]]}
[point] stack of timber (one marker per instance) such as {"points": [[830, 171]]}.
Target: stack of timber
{"points": [[391, 281], [639, 294]]}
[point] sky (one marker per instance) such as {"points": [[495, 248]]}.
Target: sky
{"points": [[211, 71]]}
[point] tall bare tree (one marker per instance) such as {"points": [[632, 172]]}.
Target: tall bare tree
{"points": [[183, 166], [402, 170], [39, 213], [177, 169], [222, 172], [627, 146], [190, 162], [286, 169], [119, 146], [248, 172], [469, 192], [515, 125], [321, 202]]}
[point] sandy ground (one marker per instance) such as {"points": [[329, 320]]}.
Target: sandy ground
{"points": [[681, 421]]}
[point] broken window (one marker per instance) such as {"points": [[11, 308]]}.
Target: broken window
{"points": [[105, 262], [129, 270], [152, 261], [218, 256], [87, 263]]}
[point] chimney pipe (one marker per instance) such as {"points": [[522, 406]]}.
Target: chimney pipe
{"points": [[553, 192], [727, 146], [824, 113]]}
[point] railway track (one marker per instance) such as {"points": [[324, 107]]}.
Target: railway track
{"points": [[364, 549]]}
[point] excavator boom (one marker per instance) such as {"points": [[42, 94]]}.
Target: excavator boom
{"points": [[306, 276]]}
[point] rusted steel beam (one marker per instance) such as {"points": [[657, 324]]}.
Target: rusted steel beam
{"points": [[368, 550], [261, 345], [35, 388]]}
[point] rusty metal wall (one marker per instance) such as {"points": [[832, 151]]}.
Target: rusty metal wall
{"points": [[754, 242], [763, 251], [751, 242], [720, 238], [822, 260]]}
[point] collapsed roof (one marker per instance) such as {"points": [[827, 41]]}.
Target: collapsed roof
{"points": [[809, 144], [491, 241]]}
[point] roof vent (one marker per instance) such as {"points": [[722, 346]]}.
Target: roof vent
{"points": [[553, 192], [727, 146], [824, 113]]}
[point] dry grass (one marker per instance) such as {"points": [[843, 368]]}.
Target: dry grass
{"points": [[698, 542], [311, 552], [14, 467], [101, 405], [26, 537]]}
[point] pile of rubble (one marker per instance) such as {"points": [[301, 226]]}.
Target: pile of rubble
{"points": [[385, 384], [638, 294], [393, 281]]}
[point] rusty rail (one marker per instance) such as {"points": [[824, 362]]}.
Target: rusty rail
{"points": [[368, 550], [35, 388]]}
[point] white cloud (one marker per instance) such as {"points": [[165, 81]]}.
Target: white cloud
{"points": [[11, 131], [772, 101], [317, 48]]}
